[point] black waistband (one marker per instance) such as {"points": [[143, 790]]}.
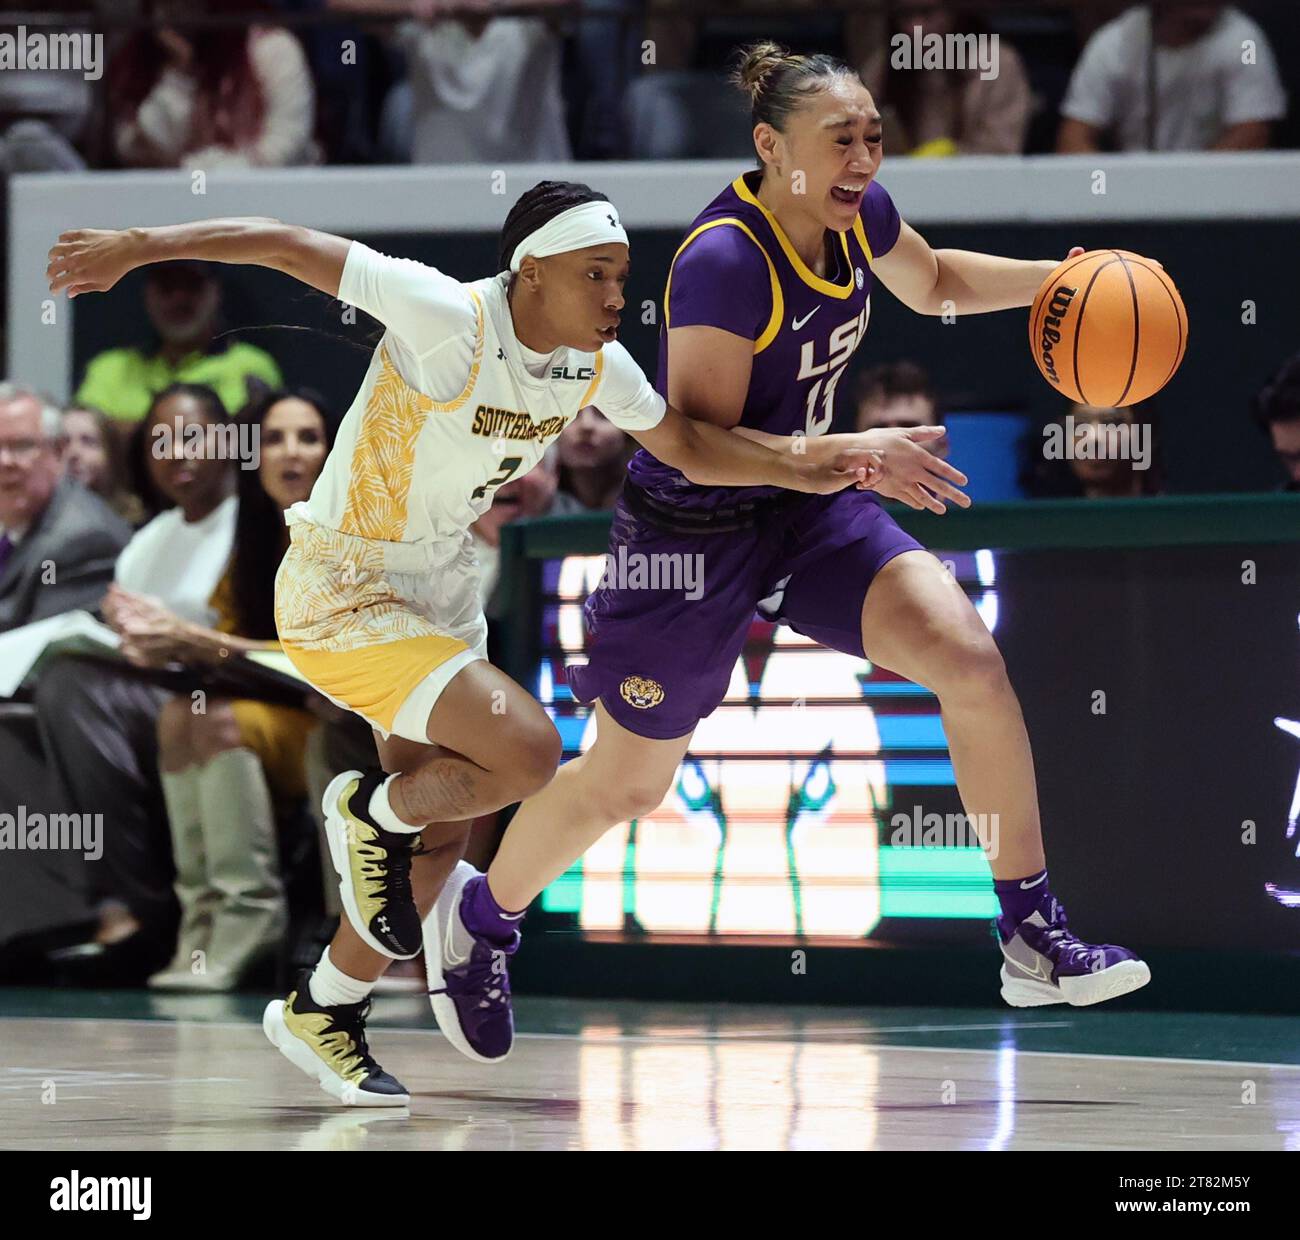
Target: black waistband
{"points": [[743, 515]]}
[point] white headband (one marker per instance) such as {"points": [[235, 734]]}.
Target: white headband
{"points": [[575, 229]]}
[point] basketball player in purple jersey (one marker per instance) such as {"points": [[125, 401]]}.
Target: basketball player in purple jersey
{"points": [[767, 299]]}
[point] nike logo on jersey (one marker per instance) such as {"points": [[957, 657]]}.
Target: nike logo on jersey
{"points": [[844, 339], [1024, 886], [797, 323]]}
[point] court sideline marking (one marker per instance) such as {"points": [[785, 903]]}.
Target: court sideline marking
{"points": [[722, 1038]]}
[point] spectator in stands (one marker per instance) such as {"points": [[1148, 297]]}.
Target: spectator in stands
{"points": [[57, 546], [57, 540], [950, 110], [229, 772], [479, 89], [1277, 410], [1208, 95], [99, 722], [1097, 453], [180, 554], [897, 394], [593, 457], [43, 115], [226, 96], [92, 457], [183, 301], [680, 105]]}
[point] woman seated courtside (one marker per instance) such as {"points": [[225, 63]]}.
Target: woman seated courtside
{"points": [[229, 769]]}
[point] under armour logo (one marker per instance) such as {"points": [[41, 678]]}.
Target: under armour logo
{"points": [[383, 925], [613, 223], [501, 355]]}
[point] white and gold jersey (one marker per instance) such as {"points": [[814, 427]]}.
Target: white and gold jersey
{"points": [[452, 405]]}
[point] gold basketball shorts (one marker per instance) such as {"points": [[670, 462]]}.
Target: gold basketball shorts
{"points": [[379, 627]]}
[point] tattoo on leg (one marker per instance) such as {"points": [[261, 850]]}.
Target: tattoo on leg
{"points": [[442, 788]]}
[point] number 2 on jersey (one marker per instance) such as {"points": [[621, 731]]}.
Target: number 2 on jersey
{"points": [[507, 467]]}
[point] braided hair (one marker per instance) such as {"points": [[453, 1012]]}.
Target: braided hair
{"points": [[538, 206]]}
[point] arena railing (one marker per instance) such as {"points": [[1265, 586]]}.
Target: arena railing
{"points": [[461, 199], [1038, 525]]}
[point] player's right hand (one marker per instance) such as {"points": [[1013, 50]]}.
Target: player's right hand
{"points": [[909, 472], [91, 260]]}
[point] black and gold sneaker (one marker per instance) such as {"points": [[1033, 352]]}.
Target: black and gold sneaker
{"points": [[373, 865], [329, 1044]]}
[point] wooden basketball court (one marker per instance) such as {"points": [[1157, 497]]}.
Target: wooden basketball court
{"points": [[126, 1071]]}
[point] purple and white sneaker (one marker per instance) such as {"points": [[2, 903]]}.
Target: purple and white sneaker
{"points": [[469, 985], [1044, 962]]}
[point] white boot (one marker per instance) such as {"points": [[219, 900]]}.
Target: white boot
{"points": [[239, 839], [197, 897]]}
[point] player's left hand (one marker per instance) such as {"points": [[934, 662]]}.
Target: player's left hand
{"points": [[826, 472], [909, 472]]}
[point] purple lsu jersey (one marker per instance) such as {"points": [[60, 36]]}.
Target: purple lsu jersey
{"points": [[738, 271]]}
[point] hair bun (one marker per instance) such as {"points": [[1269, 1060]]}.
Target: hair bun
{"points": [[755, 65]]}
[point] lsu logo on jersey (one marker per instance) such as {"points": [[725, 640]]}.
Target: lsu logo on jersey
{"points": [[819, 406], [641, 692], [844, 339]]}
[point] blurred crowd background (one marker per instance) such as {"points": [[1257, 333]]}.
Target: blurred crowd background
{"points": [[176, 550], [275, 83]]}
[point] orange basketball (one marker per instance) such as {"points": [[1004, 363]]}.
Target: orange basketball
{"points": [[1108, 328]]}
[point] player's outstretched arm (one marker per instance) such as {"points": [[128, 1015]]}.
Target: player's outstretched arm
{"points": [[709, 372], [903, 468], [711, 456], [92, 260], [959, 281]]}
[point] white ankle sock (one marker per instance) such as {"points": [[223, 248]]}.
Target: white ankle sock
{"points": [[331, 987], [383, 813]]}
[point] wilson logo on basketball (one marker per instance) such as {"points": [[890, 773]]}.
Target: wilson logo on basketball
{"points": [[1051, 337], [1108, 328]]}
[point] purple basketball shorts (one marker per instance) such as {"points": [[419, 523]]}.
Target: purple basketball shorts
{"points": [[666, 625]]}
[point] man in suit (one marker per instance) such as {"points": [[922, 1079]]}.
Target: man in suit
{"points": [[58, 543]]}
